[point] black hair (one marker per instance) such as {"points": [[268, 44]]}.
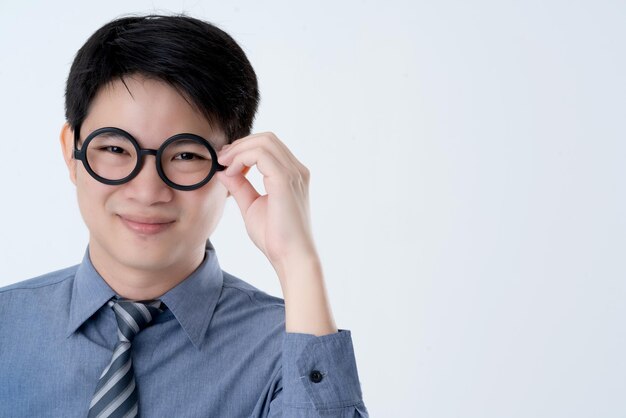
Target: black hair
{"points": [[201, 61]]}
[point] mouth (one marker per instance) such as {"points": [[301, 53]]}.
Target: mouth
{"points": [[146, 226]]}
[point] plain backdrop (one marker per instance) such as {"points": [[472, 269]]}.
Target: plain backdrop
{"points": [[467, 191]]}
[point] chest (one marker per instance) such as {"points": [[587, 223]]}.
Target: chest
{"points": [[57, 375]]}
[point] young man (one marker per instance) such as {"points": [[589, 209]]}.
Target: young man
{"points": [[159, 112]]}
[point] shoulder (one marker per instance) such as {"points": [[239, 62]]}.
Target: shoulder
{"points": [[41, 284], [244, 305], [35, 312], [247, 292]]}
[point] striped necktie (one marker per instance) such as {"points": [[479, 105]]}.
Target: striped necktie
{"points": [[116, 394]]}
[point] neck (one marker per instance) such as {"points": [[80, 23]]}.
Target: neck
{"points": [[143, 282]]}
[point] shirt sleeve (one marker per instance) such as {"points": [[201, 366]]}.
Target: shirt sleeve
{"points": [[319, 378]]}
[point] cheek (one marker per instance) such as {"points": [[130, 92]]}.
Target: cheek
{"points": [[91, 195], [83, 193], [206, 209]]}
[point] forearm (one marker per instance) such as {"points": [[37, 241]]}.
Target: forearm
{"points": [[307, 309]]}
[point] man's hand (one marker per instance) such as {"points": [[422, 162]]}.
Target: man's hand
{"points": [[279, 225], [279, 222]]}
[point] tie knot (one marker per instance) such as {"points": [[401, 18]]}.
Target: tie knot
{"points": [[133, 316]]}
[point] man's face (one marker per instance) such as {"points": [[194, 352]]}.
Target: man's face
{"points": [[144, 225]]}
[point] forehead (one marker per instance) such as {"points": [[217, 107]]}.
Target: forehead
{"points": [[150, 110]]}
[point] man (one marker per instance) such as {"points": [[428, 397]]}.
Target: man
{"points": [[159, 111]]}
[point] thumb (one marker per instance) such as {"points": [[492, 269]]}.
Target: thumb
{"points": [[242, 190]]}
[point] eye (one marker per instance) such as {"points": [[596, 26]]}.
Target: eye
{"points": [[187, 156], [113, 149]]}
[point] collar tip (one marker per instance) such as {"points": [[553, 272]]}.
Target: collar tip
{"points": [[197, 344], [71, 329]]}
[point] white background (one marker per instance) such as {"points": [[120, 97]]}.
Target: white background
{"points": [[467, 163]]}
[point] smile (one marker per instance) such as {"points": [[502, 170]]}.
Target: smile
{"points": [[146, 226]]}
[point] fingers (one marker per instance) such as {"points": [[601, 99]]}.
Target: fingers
{"points": [[266, 162], [268, 147], [282, 173]]}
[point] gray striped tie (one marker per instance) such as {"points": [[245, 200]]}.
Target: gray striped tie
{"points": [[116, 394]]}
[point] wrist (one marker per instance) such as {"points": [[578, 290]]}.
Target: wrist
{"points": [[298, 264], [307, 308]]}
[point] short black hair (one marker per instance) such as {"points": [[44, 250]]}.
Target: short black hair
{"points": [[201, 61]]}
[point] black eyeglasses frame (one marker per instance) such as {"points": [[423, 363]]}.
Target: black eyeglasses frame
{"points": [[79, 154]]}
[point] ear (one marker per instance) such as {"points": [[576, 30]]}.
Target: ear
{"points": [[67, 147], [244, 172]]}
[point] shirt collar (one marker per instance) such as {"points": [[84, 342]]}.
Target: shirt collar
{"points": [[192, 301], [89, 293]]}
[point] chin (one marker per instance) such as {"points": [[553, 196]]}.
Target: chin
{"points": [[136, 262]]}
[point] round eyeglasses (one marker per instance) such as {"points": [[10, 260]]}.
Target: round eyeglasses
{"points": [[112, 156]]}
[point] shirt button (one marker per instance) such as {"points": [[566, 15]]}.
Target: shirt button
{"points": [[316, 376]]}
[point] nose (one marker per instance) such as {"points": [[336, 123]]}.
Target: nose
{"points": [[147, 187]]}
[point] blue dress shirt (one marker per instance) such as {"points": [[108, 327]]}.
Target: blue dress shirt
{"points": [[219, 350]]}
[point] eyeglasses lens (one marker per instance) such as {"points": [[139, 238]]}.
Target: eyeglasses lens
{"points": [[111, 156], [186, 162]]}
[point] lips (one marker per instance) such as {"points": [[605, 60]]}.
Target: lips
{"points": [[146, 225]]}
